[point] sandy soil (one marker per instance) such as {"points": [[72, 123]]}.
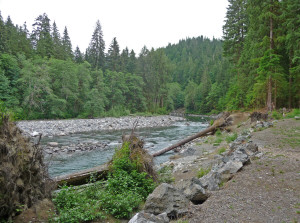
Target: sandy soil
{"points": [[268, 189]]}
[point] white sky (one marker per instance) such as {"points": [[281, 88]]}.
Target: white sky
{"points": [[135, 23]]}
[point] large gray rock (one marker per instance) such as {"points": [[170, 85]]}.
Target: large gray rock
{"points": [[250, 148], [190, 151], [165, 198], [220, 173], [143, 217], [211, 181], [192, 189], [227, 170], [239, 155]]}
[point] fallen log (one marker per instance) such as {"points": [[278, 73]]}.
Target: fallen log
{"points": [[218, 123], [82, 177]]}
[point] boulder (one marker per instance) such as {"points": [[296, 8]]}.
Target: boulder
{"points": [[250, 148], [227, 170], [239, 155], [143, 217], [188, 152], [52, 144], [192, 190], [165, 198], [211, 181]]}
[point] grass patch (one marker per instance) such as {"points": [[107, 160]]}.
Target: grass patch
{"points": [[231, 138], [218, 140], [165, 175], [218, 133], [202, 172], [293, 113], [221, 150]]}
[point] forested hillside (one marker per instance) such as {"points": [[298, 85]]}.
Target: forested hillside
{"points": [[255, 65]]}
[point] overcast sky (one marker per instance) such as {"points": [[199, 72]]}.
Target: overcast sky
{"points": [[135, 23]]}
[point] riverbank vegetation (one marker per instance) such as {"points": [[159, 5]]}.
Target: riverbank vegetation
{"points": [[255, 65], [128, 185]]}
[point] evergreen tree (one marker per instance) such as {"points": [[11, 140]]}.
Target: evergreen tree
{"points": [[2, 35], [41, 36], [24, 43], [131, 66], [95, 52], [57, 43], [124, 60], [78, 57], [67, 45], [113, 56], [291, 24], [235, 29]]}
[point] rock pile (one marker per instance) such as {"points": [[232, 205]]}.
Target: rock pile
{"points": [[53, 148], [240, 153]]}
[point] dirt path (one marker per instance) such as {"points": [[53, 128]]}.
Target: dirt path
{"points": [[267, 190]]}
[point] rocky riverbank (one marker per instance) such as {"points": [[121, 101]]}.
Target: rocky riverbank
{"points": [[64, 127], [254, 178]]}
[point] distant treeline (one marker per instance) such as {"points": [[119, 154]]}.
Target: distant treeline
{"points": [[257, 64]]}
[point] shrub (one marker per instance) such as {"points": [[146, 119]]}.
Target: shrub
{"points": [[218, 132], [218, 140], [221, 150], [165, 175], [231, 138], [276, 115], [202, 172], [75, 205], [293, 113], [122, 193]]}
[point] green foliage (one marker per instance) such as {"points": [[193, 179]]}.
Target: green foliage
{"points": [[202, 172], [293, 113], [127, 183], [40, 76], [119, 196], [276, 115], [77, 205], [231, 138], [218, 133], [221, 150]]}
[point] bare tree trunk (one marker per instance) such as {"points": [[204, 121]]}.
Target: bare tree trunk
{"points": [[82, 177], [290, 87], [269, 97]]}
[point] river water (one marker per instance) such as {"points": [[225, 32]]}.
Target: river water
{"points": [[155, 140]]}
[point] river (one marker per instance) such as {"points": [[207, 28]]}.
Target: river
{"points": [[155, 140]]}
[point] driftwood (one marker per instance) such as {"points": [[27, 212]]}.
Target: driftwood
{"points": [[218, 123], [83, 176]]}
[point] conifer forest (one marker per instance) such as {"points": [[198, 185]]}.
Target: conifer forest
{"points": [[256, 64]]}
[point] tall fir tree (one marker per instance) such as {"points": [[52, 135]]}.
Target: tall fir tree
{"points": [[57, 43], [78, 56], [67, 45], [41, 36], [235, 29], [95, 52], [291, 24], [124, 60], [113, 56], [2, 35]]}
